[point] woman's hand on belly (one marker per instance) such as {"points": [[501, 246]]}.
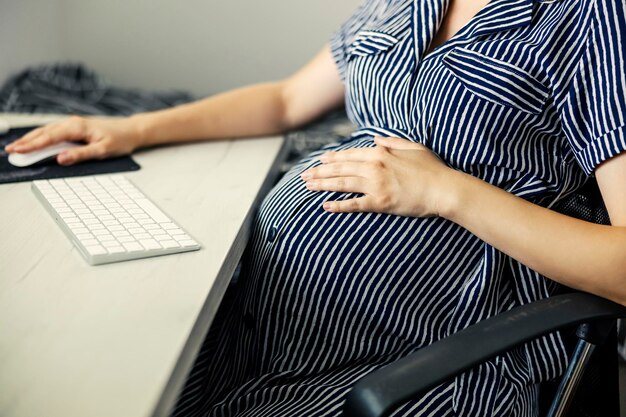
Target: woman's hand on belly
{"points": [[395, 177]]}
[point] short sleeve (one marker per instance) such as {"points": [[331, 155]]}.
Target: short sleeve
{"points": [[593, 111], [344, 36]]}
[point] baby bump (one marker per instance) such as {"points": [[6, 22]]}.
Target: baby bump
{"points": [[350, 282]]}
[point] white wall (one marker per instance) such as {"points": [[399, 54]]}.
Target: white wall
{"points": [[30, 33], [203, 46], [200, 45]]}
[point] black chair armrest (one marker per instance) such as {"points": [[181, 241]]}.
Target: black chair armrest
{"points": [[378, 393]]}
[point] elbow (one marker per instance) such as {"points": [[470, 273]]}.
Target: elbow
{"points": [[620, 286], [616, 291], [622, 296], [613, 280]]}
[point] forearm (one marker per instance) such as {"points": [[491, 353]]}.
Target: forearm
{"points": [[573, 252], [257, 110]]}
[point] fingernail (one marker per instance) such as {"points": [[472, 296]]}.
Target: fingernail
{"points": [[310, 185], [324, 157], [63, 159], [327, 206], [306, 175]]}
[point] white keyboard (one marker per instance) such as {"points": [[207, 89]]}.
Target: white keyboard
{"points": [[109, 220]]}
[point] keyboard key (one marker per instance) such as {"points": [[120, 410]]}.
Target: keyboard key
{"points": [[84, 236], [133, 247], [176, 232], [162, 238], [96, 250], [150, 244], [105, 181], [58, 206], [89, 242], [98, 226], [79, 229], [116, 249], [170, 244], [169, 226], [126, 239]]}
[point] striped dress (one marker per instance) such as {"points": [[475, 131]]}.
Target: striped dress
{"points": [[528, 96]]}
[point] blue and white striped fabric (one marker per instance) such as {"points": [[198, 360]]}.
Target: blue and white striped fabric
{"points": [[528, 96]]}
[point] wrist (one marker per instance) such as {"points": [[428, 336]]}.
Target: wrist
{"points": [[453, 192], [140, 126]]}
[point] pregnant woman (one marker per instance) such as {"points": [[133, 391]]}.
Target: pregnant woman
{"points": [[473, 119]]}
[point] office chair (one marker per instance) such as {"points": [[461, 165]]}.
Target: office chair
{"points": [[380, 392]]}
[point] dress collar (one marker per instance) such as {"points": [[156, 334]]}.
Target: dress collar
{"points": [[496, 16], [502, 15]]}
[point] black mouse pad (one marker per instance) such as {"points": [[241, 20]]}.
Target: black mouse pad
{"points": [[48, 170]]}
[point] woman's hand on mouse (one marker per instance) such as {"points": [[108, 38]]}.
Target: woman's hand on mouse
{"points": [[103, 137], [395, 177]]}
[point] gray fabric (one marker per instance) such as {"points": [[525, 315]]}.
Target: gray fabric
{"points": [[72, 88]]}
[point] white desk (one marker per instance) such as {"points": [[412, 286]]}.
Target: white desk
{"points": [[16, 120], [117, 340]]}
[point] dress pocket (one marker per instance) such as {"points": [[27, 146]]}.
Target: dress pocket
{"points": [[388, 28], [369, 42], [497, 81]]}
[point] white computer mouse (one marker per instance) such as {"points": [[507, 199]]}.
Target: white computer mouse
{"points": [[4, 127], [30, 158]]}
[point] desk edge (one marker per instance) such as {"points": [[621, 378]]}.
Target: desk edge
{"points": [[176, 381]]}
